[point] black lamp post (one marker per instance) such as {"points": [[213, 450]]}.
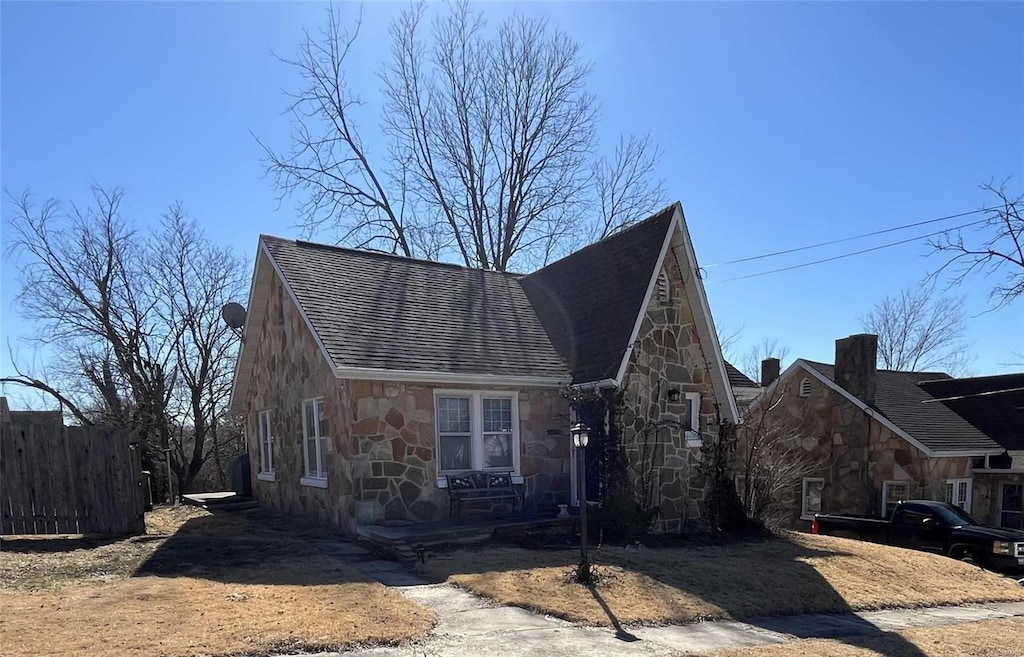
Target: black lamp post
{"points": [[580, 437]]}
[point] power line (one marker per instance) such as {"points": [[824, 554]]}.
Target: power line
{"points": [[851, 238], [976, 394], [849, 255]]}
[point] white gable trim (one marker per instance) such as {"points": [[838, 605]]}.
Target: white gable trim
{"points": [[801, 364], [417, 376], [258, 300], [678, 239]]}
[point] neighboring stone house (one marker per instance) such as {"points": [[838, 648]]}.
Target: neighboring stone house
{"points": [[869, 437], [995, 405], [366, 377], [744, 389]]}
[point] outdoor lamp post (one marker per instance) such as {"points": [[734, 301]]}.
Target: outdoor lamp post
{"points": [[580, 437]]}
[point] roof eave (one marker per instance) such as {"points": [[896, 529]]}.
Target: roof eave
{"points": [[470, 378]]}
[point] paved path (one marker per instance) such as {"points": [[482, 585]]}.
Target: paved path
{"points": [[471, 627]]}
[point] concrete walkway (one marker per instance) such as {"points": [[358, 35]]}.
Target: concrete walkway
{"points": [[469, 626]]}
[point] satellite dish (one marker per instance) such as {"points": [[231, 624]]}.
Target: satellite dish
{"points": [[233, 315]]}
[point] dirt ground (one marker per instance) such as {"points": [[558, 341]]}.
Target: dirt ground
{"points": [[995, 638], [793, 574], [196, 584]]}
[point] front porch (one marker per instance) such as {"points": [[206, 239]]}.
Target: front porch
{"points": [[999, 497]]}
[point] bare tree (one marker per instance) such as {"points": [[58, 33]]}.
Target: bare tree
{"points": [[750, 363], [134, 320], [993, 248], [771, 461], [919, 331], [491, 154]]}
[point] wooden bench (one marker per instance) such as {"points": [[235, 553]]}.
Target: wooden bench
{"points": [[480, 485]]}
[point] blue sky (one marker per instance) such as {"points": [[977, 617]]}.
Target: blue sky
{"points": [[782, 124]]}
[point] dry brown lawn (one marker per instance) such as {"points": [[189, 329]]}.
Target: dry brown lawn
{"points": [[995, 638], [793, 574], [225, 584]]}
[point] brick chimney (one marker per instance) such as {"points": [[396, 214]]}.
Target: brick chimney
{"points": [[770, 368], [855, 365]]}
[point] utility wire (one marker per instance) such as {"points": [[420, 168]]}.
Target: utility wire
{"points": [[976, 394], [849, 239], [854, 253]]}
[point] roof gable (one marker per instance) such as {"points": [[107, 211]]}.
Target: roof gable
{"points": [[589, 301]]}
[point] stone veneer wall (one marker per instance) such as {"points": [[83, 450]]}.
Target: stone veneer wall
{"points": [[288, 368], [824, 420], [395, 467], [667, 354]]}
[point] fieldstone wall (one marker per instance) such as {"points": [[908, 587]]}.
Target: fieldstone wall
{"points": [[394, 468], [288, 368], [668, 355]]}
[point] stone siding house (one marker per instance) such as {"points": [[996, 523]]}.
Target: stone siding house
{"points": [[867, 437], [365, 378]]}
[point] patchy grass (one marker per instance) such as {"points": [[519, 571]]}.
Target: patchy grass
{"points": [[995, 638], [224, 584], [792, 574]]}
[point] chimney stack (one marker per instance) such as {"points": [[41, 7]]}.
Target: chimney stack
{"points": [[855, 365], [770, 368]]}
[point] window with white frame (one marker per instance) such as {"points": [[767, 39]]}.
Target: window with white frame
{"points": [[690, 418], [811, 496], [664, 289], [314, 442], [893, 492], [477, 431], [958, 493], [266, 445], [805, 387]]}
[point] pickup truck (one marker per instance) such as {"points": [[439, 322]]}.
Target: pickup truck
{"points": [[933, 527]]}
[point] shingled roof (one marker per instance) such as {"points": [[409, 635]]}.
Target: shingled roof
{"points": [[738, 379], [588, 302], [901, 399], [379, 311], [993, 404]]}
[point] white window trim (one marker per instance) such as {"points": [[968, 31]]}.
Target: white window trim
{"points": [[692, 437], [316, 480], [266, 446], [476, 430], [804, 513], [885, 493], [970, 492]]}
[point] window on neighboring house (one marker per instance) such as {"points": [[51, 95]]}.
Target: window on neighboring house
{"points": [[958, 493], [690, 419], [811, 496], [893, 492], [477, 431], [314, 442], [664, 289], [805, 387], [266, 446]]}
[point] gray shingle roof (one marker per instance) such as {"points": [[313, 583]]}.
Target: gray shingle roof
{"points": [[910, 407], [738, 379], [379, 311], [589, 301], [994, 404]]}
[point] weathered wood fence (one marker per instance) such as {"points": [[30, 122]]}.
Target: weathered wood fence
{"points": [[67, 480]]}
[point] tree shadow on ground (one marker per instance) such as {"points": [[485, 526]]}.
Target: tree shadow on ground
{"points": [[255, 547], [763, 583]]}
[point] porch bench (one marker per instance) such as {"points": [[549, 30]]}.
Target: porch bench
{"points": [[475, 485]]}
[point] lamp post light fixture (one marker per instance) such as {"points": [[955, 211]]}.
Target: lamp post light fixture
{"points": [[580, 437]]}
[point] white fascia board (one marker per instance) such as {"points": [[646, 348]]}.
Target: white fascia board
{"points": [[417, 376], [596, 385], [647, 297], [694, 284]]}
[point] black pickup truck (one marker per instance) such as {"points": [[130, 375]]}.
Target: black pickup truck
{"points": [[933, 527]]}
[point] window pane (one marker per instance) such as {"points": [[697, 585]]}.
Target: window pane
{"points": [[311, 457], [320, 431], [453, 414], [454, 453], [812, 493], [309, 426], [322, 443], [686, 416], [497, 415], [498, 450]]}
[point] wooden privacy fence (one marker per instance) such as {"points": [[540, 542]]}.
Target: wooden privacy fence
{"points": [[68, 480]]}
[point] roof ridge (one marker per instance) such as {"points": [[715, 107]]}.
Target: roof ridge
{"points": [[819, 362], [385, 254]]}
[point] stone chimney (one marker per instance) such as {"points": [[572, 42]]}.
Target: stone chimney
{"points": [[770, 368], [855, 365]]}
